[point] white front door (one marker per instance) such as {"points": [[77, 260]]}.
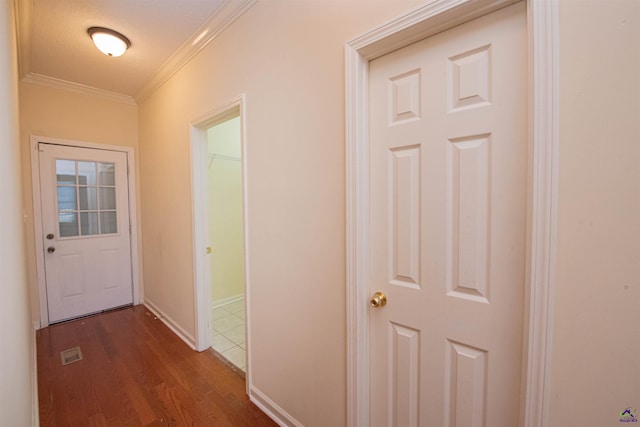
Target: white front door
{"points": [[85, 221], [448, 200]]}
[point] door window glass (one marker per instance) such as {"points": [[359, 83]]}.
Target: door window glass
{"points": [[68, 224], [67, 198], [89, 223], [108, 222], [66, 171], [86, 198], [87, 173], [106, 172], [108, 198]]}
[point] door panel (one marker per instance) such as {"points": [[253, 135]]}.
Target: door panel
{"points": [[448, 179], [85, 215]]}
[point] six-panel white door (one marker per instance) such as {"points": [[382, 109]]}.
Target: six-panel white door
{"points": [[85, 216], [448, 203]]}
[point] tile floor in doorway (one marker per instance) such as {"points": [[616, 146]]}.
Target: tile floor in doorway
{"points": [[229, 333]]}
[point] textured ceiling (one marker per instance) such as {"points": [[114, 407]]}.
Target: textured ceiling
{"points": [[58, 45]]}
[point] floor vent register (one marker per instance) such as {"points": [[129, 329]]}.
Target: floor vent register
{"points": [[70, 355]]}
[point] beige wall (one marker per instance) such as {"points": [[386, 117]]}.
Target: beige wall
{"points": [[287, 56], [596, 362], [17, 334], [62, 114], [225, 211]]}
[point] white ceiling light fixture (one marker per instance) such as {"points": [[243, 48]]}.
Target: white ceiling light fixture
{"points": [[109, 42]]}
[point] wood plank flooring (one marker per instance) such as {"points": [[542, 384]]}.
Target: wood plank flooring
{"points": [[136, 372]]}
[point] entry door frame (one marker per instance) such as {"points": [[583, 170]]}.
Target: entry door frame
{"points": [[37, 216], [234, 107], [434, 17]]}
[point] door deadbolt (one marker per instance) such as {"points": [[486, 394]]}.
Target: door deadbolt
{"points": [[50, 236]]}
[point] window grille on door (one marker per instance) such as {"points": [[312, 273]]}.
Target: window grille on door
{"points": [[86, 198]]}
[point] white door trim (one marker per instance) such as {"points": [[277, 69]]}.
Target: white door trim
{"points": [[37, 217], [543, 130], [233, 108]]}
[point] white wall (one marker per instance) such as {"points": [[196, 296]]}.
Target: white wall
{"points": [[287, 56], [596, 350], [16, 332]]}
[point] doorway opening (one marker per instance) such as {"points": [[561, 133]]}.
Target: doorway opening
{"points": [[220, 234], [226, 261]]}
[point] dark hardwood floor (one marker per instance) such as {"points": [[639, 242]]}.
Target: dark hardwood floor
{"points": [[136, 372]]}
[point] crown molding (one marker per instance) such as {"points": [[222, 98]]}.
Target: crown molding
{"points": [[39, 79], [225, 15], [222, 17]]}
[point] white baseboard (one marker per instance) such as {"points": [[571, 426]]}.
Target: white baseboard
{"points": [[228, 300], [270, 408], [171, 324], [35, 404]]}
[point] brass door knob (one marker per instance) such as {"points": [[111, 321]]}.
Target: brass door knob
{"points": [[51, 249], [379, 299]]}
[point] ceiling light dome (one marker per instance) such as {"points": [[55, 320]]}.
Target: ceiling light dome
{"points": [[109, 42]]}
